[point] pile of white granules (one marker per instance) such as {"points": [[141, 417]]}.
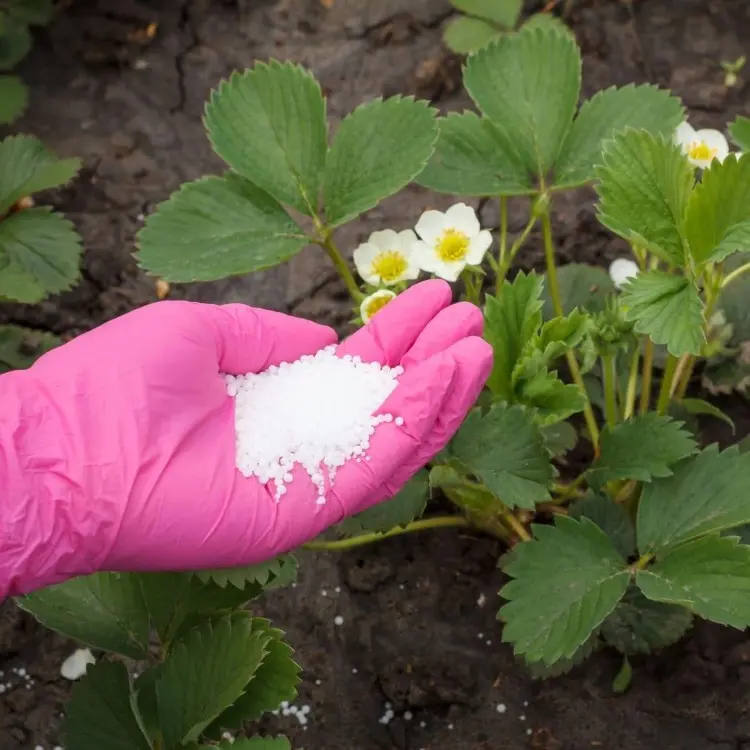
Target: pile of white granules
{"points": [[316, 412]]}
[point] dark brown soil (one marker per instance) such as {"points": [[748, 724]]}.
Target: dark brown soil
{"points": [[419, 613]]}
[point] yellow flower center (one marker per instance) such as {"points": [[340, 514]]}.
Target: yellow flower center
{"points": [[452, 246], [377, 303], [389, 265], [701, 151]]}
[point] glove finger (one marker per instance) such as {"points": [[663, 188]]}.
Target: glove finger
{"points": [[419, 400], [473, 361], [297, 516], [392, 332], [250, 339], [449, 326]]}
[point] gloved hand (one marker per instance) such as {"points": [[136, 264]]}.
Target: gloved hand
{"points": [[117, 450]]}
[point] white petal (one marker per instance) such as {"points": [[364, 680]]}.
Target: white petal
{"points": [[715, 140], [385, 239], [363, 257], [424, 256], [412, 269], [450, 271], [621, 270], [405, 242], [478, 246], [75, 665], [430, 225], [684, 135], [463, 218]]}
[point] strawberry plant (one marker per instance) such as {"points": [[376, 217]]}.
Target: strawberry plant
{"points": [[624, 553]]}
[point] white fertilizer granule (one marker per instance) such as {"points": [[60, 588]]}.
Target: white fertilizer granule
{"points": [[317, 412]]}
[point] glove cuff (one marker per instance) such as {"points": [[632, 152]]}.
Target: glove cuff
{"points": [[48, 533]]}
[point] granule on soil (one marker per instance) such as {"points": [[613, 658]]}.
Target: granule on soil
{"points": [[317, 412]]}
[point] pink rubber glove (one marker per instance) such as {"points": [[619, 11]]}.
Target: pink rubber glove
{"points": [[117, 449]]}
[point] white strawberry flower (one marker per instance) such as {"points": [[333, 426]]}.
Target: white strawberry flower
{"points": [[387, 258], [621, 270], [375, 303], [450, 241], [701, 146], [74, 667]]}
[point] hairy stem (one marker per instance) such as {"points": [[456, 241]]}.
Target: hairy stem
{"points": [[647, 375], [665, 392], [609, 374], [554, 290], [734, 275], [684, 368], [473, 286], [510, 255], [629, 407], [503, 238], [327, 243], [569, 491], [439, 522], [515, 525]]}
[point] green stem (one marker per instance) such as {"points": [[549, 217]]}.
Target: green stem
{"points": [[515, 525], [647, 375], [473, 288], [712, 297], [342, 267], [666, 384], [503, 240], [687, 375], [554, 290], [567, 492], [643, 561], [730, 277], [632, 383], [439, 522], [609, 374], [510, 256]]}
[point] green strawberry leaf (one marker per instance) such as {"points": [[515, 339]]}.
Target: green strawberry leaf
{"points": [[718, 217], [271, 574], [101, 712], [707, 494], [740, 132], [28, 167], [606, 113], [527, 84], [668, 309], [465, 34], [269, 125], [565, 583], [641, 626], [469, 161], [378, 149], [581, 286], [644, 186], [408, 504], [205, 673], [710, 576], [611, 518], [642, 448], [14, 96], [104, 610], [506, 451], [217, 227], [21, 347], [40, 253], [511, 320]]}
